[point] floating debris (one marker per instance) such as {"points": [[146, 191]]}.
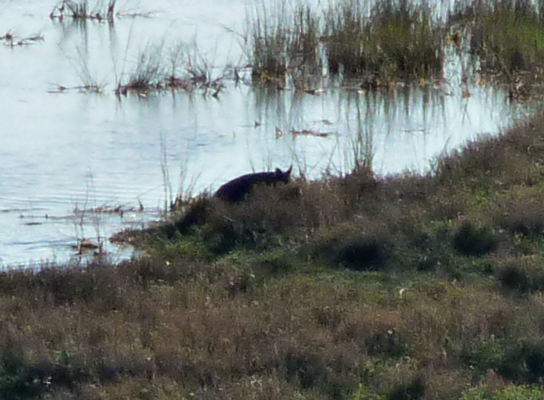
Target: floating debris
{"points": [[86, 245], [309, 132], [11, 40], [305, 132]]}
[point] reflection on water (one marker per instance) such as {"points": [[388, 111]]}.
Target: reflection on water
{"points": [[69, 157]]}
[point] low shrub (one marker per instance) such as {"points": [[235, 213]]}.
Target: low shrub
{"points": [[524, 363], [306, 369], [388, 344], [16, 380], [521, 275], [524, 220], [355, 253], [470, 240], [413, 390]]}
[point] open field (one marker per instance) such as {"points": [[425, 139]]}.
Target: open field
{"points": [[353, 287]]}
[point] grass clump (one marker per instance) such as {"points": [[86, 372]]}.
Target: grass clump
{"points": [[82, 11], [523, 276], [508, 39], [355, 253], [185, 69], [283, 41], [396, 40], [474, 241]]}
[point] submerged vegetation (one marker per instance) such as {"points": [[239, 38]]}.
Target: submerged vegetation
{"points": [[352, 287]]}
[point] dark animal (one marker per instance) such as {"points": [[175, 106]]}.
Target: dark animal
{"points": [[237, 189]]}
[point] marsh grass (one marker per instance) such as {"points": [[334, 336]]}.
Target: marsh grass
{"points": [[147, 74], [86, 217], [180, 67], [382, 45], [390, 42], [82, 11], [508, 39], [395, 40], [89, 83], [184, 195], [360, 148], [283, 39]]}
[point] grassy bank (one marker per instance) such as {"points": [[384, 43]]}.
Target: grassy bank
{"points": [[354, 287]]}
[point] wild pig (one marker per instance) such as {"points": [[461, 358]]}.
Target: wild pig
{"points": [[237, 189]]}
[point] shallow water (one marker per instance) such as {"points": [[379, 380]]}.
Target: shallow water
{"points": [[68, 156]]}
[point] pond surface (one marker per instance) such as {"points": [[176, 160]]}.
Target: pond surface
{"points": [[79, 165]]}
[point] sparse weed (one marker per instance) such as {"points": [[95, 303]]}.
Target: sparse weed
{"points": [[283, 41], [82, 11], [189, 70]]}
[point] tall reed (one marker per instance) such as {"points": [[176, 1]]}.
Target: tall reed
{"points": [[393, 40], [282, 40]]}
